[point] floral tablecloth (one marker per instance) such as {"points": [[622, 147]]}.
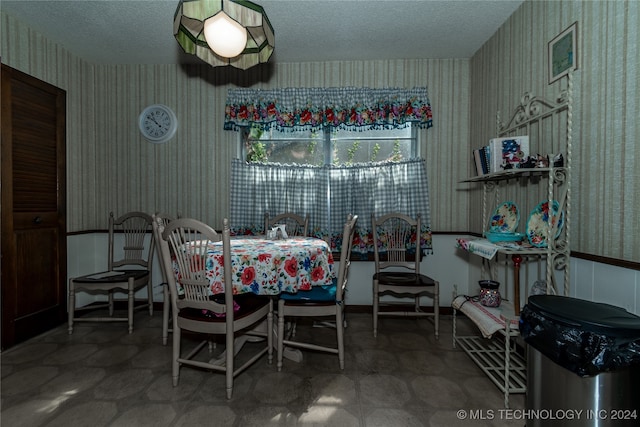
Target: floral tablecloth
{"points": [[269, 267]]}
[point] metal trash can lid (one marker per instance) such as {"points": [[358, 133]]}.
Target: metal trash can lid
{"points": [[586, 315]]}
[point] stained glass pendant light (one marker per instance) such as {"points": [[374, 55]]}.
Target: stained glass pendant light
{"points": [[224, 32]]}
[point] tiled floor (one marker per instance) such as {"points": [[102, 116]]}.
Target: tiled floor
{"points": [[102, 376]]}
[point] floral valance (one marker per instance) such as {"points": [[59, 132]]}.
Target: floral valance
{"points": [[347, 108]]}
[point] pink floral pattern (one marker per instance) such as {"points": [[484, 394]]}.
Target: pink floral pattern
{"points": [[269, 267], [337, 107], [540, 222], [505, 219]]}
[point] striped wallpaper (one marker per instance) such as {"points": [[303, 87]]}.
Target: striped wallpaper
{"points": [[110, 167], [605, 211]]}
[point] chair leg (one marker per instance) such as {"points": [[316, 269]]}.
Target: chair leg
{"points": [[175, 365], [150, 297], [270, 336], [340, 335], [436, 309], [165, 315], [375, 309], [130, 301], [110, 303], [230, 353], [71, 309], [280, 337]]}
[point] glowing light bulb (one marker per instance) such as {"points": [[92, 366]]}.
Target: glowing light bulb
{"points": [[225, 36]]}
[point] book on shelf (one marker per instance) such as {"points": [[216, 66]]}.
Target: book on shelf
{"points": [[507, 152], [481, 160], [478, 162]]}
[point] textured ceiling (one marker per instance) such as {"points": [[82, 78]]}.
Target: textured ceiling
{"points": [[140, 32]]}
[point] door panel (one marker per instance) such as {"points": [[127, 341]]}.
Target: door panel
{"points": [[33, 207]]}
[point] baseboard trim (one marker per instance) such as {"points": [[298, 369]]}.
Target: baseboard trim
{"points": [[158, 306], [444, 311]]}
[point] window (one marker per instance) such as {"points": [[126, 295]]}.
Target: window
{"points": [[328, 152], [329, 146], [329, 174]]}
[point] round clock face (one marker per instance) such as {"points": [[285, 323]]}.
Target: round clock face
{"points": [[158, 123]]}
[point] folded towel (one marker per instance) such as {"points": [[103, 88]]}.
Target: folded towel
{"points": [[480, 247], [488, 319]]}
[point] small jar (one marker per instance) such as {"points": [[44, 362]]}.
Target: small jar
{"points": [[490, 297], [489, 293]]}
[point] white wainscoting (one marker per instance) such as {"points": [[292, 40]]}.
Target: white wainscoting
{"points": [[450, 266]]}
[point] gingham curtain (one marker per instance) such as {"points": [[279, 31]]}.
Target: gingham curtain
{"points": [[328, 194], [257, 188]]}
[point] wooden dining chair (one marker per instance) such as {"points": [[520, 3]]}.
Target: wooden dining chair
{"points": [[163, 219], [295, 225], [129, 268], [395, 273], [320, 301], [185, 244]]}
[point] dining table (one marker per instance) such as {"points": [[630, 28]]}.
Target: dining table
{"points": [[265, 266]]}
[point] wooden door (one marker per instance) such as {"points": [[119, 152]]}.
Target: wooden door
{"points": [[34, 255]]}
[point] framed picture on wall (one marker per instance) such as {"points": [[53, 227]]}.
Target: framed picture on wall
{"points": [[563, 53]]}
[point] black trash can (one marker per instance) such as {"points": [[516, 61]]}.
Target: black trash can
{"points": [[583, 363]]}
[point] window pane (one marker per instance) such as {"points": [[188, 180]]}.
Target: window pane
{"points": [[290, 147], [346, 146], [378, 145]]}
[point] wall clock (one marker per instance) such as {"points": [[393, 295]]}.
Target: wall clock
{"points": [[158, 123]]}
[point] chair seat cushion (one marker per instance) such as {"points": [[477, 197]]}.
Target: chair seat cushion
{"points": [[403, 279], [325, 293], [246, 304]]}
